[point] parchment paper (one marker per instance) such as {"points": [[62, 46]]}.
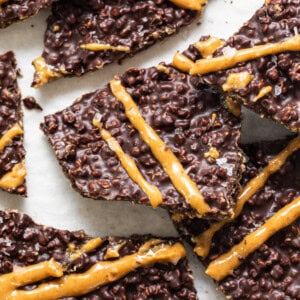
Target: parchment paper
{"points": [[51, 200]]}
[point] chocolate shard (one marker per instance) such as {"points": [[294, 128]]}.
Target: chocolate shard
{"points": [[268, 84], [138, 267], [271, 270], [84, 36], [12, 152], [188, 118], [12, 11]]}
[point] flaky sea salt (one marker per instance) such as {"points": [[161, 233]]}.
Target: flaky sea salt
{"points": [[222, 162], [98, 117], [296, 32], [277, 90], [228, 51]]}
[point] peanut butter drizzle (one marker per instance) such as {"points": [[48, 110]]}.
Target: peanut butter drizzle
{"points": [[114, 251], [204, 66], [234, 107], [44, 72], [9, 135], [163, 69], [263, 92], [209, 47], [171, 165], [190, 4], [182, 63], [226, 263], [203, 241], [212, 152], [14, 178], [214, 117], [88, 247], [22, 276], [102, 273], [237, 81], [152, 192], [104, 47]]}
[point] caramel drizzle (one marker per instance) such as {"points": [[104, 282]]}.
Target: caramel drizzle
{"points": [[88, 247], [104, 47], [226, 263], [209, 46], [208, 65], [102, 273], [190, 4], [8, 136], [14, 178], [171, 165], [44, 72], [204, 240], [152, 192], [237, 81]]}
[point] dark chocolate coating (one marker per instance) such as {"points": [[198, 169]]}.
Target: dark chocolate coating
{"points": [[181, 111], [10, 114], [135, 24], [30, 103], [272, 271], [24, 243], [17, 10], [274, 22]]}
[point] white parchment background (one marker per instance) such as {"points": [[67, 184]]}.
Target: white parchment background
{"points": [[51, 201]]}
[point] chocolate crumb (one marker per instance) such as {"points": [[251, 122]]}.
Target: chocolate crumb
{"points": [[30, 103]]}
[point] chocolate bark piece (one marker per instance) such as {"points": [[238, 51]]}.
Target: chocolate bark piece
{"points": [[24, 243], [12, 11], [187, 116], [274, 89], [119, 28], [12, 152], [273, 269]]}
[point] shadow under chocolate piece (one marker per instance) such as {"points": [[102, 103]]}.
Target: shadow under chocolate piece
{"points": [[259, 66], [48, 263], [171, 145], [12, 11], [256, 255], [12, 152], [84, 36]]}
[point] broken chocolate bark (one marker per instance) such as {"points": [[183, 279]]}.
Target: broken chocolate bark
{"points": [[271, 268], [266, 74], [12, 11], [193, 134], [12, 153], [84, 36], [48, 263]]}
